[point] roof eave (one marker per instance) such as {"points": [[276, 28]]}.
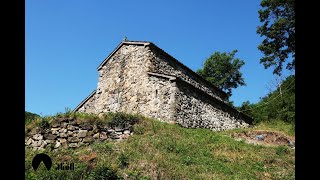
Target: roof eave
{"points": [[85, 100]]}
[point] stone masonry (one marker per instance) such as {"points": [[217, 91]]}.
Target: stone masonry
{"points": [[71, 133], [139, 77]]}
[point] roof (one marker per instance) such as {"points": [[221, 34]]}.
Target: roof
{"points": [[143, 43], [146, 43], [85, 100]]}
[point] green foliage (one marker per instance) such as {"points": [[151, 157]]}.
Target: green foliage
{"points": [[68, 112], [103, 172], [246, 107], [168, 151], [187, 160], [123, 160], [274, 106], [44, 124], [137, 175], [80, 171], [223, 70], [100, 123], [103, 147], [282, 150], [121, 119], [277, 125], [138, 129], [29, 117], [117, 119], [278, 28], [82, 116]]}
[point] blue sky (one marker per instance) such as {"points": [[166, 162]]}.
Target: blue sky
{"points": [[67, 40]]}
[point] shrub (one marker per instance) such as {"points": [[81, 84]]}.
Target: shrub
{"points": [[44, 124], [121, 119], [100, 123]]}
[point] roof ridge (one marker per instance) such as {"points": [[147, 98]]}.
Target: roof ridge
{"points": [[125, 41], [137, 41]]}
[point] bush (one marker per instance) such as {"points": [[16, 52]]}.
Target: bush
{"points": [[44, 124], [100, 123], [121, 120]]}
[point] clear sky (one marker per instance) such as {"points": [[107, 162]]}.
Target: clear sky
{"points": [[67, 40]]}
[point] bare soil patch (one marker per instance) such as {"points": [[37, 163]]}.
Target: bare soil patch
{"points": [[263, 137]]}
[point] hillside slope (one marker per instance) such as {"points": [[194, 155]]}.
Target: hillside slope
{"points": [[167, 151]]}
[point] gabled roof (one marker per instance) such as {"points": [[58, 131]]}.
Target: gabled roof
{"points": [[146, 43], [143, 43], [85, 100]]}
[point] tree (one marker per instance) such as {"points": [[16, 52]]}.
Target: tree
{"points": [[223, 70], [278, 18], [275, 105], [246, 107]]}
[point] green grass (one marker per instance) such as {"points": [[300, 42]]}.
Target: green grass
{"points": [[277, 125], [167, 151], [110, 119]]}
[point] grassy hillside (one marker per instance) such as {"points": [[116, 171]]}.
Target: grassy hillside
{"points": [[28, 116], [167, 151]]}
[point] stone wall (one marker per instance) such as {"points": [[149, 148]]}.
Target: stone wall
{"points": [[164, 64], [89, 104], [70, 133], [121, 81], [141, 78], [195, 109], [161, 101], [125, 86]]}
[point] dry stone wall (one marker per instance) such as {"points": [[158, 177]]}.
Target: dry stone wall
{"points": [[70, 133], [195, 110]]}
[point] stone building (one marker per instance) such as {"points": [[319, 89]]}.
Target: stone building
{"points": [[139, 77]]}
